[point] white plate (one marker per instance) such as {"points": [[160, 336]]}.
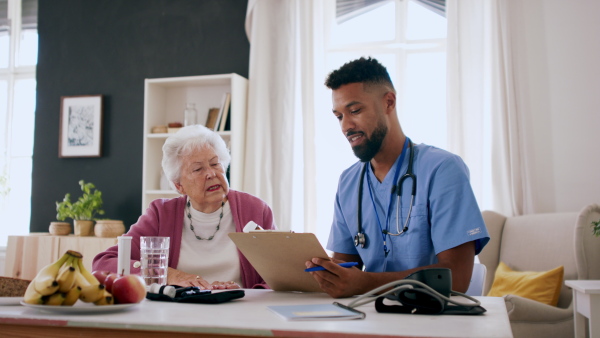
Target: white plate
{"points": [[79, 307], [10, 300]]}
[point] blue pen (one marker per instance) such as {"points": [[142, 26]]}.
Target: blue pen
{"points": [[343, 265]]}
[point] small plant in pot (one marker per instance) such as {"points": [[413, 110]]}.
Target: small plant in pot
{"points": [[596, 228], [83, 211]]}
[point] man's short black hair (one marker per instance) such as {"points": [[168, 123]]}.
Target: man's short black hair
{"points": [[363, 70]]}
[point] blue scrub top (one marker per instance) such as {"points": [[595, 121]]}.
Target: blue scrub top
{"points": [[445, 213]]}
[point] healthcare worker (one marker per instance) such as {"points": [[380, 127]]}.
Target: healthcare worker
{"points": [[401, 208]]}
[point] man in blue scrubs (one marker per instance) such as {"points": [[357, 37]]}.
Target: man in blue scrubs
{"points": [[441, 226]]}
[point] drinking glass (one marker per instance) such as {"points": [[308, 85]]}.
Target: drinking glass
{"points": [[154, 252]]}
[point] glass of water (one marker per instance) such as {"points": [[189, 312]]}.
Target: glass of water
{"points": [[154, 252]]}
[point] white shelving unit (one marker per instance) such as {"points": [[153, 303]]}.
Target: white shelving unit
{"points": [[164, 102]]}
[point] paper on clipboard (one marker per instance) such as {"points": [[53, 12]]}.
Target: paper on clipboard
{"points": [[280, 257]]}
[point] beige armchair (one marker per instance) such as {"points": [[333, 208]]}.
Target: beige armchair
{"points": [[541, 242]]}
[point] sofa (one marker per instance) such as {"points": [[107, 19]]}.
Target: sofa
{"points": [[540, 242]]}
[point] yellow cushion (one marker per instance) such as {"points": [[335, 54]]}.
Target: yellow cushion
{"points": [[542, 286]]}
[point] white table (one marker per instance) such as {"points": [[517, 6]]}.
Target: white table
{"points": [[249, 316], [586, 298]]}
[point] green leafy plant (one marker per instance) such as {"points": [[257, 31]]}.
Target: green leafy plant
{"points": [[596, 228], [85, 208]]}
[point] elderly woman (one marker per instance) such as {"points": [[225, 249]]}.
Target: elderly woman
{"points": [[195, 160]]}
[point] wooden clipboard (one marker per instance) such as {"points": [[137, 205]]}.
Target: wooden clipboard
{"points": [[280, 257]]}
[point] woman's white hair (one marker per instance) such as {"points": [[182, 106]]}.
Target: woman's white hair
{"points": [[187, 140]]}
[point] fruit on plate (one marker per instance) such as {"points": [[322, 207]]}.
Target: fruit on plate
{"points": [[45, 284], [72, 296], [101, 275], [106, 277], [66, 278], [64, 282], [129, 289], [109, 280], [106, 299], [45, 281]]}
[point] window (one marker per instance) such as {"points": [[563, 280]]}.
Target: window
{"points": [[410, 40], [18, 57]]}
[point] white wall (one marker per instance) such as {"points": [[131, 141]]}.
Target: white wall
{"points": [[558, 59]]}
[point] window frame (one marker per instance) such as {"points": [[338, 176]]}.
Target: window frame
{"points": [[321, 209], [12, 74], [401, 46]]}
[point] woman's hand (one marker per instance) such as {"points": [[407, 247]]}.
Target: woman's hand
{"points": [[177, 277], [216, 285]]}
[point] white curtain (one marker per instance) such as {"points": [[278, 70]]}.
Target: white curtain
{"points": [[467, 90], [285, 54], [487, 126], [511, 170], [311, 62], [270, 26]]}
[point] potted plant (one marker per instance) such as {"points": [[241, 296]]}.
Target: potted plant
{"points": [[596, 228], [83, 211]]}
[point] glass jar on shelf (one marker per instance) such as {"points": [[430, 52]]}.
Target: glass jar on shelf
{"points": [[190, 115]]}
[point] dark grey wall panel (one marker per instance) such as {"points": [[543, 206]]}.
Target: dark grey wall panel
{"points": [[109, 48]]}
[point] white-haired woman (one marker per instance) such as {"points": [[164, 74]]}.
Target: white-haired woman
{"points": [[195, 160]]}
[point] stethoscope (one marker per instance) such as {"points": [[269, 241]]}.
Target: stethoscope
{"points": [[360, 237]]}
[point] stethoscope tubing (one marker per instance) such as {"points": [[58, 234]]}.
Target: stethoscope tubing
{"points": [[360, 238]]}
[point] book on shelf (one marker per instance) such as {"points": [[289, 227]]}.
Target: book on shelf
{"points": [[226, 120], [224, 113], [335, 311], [211, 120]]}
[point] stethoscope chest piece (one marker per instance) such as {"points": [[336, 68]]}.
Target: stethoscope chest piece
{"points": [[360, 239]]}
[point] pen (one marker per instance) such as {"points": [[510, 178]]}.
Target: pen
{"points": [[343, 265]]}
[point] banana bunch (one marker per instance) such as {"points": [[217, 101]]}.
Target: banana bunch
{"points": [[64, 282]]}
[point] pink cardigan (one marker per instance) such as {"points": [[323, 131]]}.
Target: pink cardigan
{"points": [[164, 217]]}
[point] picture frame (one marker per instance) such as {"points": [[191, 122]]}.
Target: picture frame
{"points": [[80, 133]]}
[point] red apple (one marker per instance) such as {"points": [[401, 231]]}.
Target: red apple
{"points": [[101, 275], [109, 280], [129, 289]]}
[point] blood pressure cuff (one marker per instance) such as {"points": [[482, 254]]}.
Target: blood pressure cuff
{"points": [[422, 302], [183, 295], [419, 300]]}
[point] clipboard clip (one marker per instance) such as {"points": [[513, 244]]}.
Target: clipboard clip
{"points": [[253, 227]]}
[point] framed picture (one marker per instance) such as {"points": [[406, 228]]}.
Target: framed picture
{"points": [[80, 126]]}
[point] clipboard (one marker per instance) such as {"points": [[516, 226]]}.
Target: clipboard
{"points": [[280, 257]]}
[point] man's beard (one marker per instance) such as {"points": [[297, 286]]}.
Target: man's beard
{"points": [[366, 151]]}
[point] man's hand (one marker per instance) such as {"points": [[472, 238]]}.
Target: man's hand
{"points": [[337, 281], [341, 282]]}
